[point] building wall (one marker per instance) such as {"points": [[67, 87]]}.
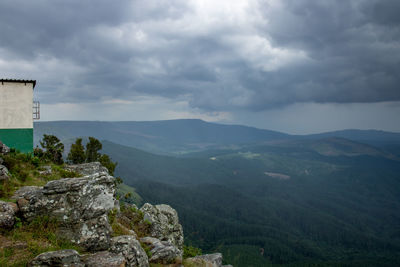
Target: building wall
{"points": [[16, 123], [16, 100], [21, 139]]}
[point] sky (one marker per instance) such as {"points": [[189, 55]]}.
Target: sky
{"points": [[297, 66]]}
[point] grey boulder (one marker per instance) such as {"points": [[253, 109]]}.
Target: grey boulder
{"points": [[7, 214], [162, 252], [129, 247], [87, 168], [65, 258], [46, 170], [207, 260], [4, 149], [164, 223], [80, 205], [4, 173], [104, 259]]}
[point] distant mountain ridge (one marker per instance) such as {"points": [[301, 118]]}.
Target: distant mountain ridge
{"points": [[191, 135], [374, 137], [337, 146], [159, 136]]}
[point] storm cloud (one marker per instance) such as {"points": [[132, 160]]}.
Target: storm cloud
{"points": [[215, 55]]}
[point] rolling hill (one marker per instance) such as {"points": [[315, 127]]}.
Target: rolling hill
{"points": [[338, 209], [262, 198], [175, 137], [162, 137]]}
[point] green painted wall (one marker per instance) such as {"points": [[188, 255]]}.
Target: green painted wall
{"points": [[21, 139]]}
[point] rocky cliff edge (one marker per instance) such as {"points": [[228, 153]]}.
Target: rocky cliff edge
{"points": [[87, 214]]}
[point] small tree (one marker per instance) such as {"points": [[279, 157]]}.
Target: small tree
{"points": [[92, 148], [77, 153], [54, 148], [106, 162]]}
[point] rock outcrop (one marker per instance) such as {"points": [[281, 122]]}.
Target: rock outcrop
{"points": [[66, 257], [87, 168], [164, 223], [46, 170], [4, 149], [104, 259], [80, 205], [129, 247], [207, 260], [7, 214], [86, 212], [124, 251], [4, 173], [162, 252]]}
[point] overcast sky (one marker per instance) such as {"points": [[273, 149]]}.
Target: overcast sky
{"points": [[298, 66]]}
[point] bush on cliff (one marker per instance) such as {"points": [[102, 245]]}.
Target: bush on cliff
{"points": [[26, 169], [78, 155], [92, 150], [53, 148], [29, 239]]}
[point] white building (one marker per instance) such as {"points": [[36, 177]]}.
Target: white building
{"points": [[16, 113]]}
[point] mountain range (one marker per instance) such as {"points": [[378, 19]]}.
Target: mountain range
{"points": [[175, 137], [261, 197]]}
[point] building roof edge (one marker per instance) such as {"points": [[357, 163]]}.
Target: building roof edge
{"points": [[18, 81]]}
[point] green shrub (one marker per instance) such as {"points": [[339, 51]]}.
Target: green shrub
{"points": [[10, 161], [133, 209], [42, 226], [35, 161], [112, 214], [147, 249], [106, 162], [22, 175], [38, 152], [53, 148], [68, 174], [18, 222], [27, 157], [40, 236], [189, 251], [92, 148], [76, 154]]}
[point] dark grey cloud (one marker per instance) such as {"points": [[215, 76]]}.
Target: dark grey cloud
{"points": [[353, 57], [224, 55]]}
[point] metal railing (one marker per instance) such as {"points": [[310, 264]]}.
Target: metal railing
{"points": [[36, 110]]}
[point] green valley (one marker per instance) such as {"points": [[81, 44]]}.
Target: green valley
{"points": [[324, 201]]}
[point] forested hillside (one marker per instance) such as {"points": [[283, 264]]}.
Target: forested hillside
{"points": [[296, 207], [286, 201]]}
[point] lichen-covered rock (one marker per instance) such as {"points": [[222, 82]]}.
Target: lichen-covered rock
{"points": [[4, 149], [129, 247], [65, 258], [7, 214], [104, 259], [80, 205], [4, 173], [46, 170], [87, 168], [207, 260], [162, 251], [164, 223]]}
